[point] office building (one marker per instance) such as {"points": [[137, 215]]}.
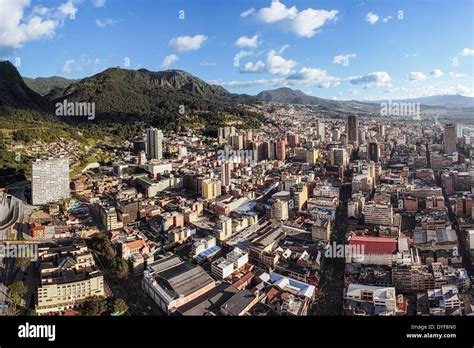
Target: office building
{"points": [[67, 276], [352, 129], [50, 180], [154, 143], [450, 139]]}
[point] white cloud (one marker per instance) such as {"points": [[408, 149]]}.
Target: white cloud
{"points": [[104, 23], [386, 19], [68, 66], [314, 76], [169, 59], [84, 62], [248, 12], [372, 18], [243, 54], [278, 65], [276, 12], [68, 9], [456, 75], [245, 41], [188, 43], [307, 22], [19, 26], [98, 3], [416, 76], [436, 73], [467, 52], [250, 67], [343, 58], [374, 79], [306, 76], [302, 23]]}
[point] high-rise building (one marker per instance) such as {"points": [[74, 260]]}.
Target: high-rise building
{"points": [[281, 150], [321, 131], [338, 157], [374, 151], [352, 129], [211, 188], [50, 180], [450, 139], [154, 143], [225, 174], [280, 210]]}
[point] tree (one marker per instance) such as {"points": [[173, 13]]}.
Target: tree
{"points": [[23, 263], [119, 306], [31, 313], [16, 291], [120, 268], [94, 306]]}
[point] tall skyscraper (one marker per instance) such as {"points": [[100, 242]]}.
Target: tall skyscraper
{"points": [[374, 151], [281, 150], [450, 139], [352, 129], [50, 180], [225, 174], [154, 143]]}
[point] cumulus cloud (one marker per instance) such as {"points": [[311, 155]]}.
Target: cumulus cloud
{"points": [[20, 25], [248, 12], [188, 43], [250, 67], [374, 79], [343, 58], [416, 76], [372, 18], [436, 73], [314, 76], [276, 12], [467, 52], [276, 64], [304, 23], [103, 23], [169, 60], [245, 41], [305, 76], [307, 22]]}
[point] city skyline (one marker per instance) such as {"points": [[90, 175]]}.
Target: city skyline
{"points": [[333, 49]]}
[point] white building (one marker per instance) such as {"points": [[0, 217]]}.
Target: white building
{"points": [[50, 180], [238, 258], [222, 268], [359, 298], [378, 214], [154, 143]]}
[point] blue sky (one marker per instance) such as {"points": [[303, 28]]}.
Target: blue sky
{"points": [[347, 49]]}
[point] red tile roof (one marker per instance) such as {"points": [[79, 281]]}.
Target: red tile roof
{"points": [[375, 245]]}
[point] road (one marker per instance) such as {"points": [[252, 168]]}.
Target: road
{"points": [[329, 299], [7, 274]]}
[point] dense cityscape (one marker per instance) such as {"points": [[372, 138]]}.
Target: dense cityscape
{"points": [[305, 216], [236, 172]]}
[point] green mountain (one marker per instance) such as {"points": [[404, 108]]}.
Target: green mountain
{"points": [[15, 94], [166, 98], [44, 85]]}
